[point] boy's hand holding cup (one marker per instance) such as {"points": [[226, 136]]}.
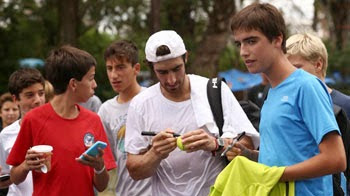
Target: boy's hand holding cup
{"points": [[46, 150]]}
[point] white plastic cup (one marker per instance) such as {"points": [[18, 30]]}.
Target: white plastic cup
{"points": [[47, 151]]}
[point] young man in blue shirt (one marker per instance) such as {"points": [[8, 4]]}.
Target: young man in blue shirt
{"points": [[297, 127]]}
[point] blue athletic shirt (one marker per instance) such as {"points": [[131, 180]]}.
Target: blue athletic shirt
{"points": [[295, 117]]}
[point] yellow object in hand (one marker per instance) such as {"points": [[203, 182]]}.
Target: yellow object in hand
{"points": [[179, 143]]}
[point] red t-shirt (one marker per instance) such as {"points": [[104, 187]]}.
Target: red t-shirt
{"points": [[67, 176]]}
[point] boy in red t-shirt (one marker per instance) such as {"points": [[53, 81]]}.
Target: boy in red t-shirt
{"points": [[68, 128]]}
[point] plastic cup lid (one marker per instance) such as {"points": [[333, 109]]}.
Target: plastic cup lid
{"points": [[42, 148]]}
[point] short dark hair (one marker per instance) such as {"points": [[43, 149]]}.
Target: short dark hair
{"points": [[122, 49], [24, 78], [262, 17], [5, 98], [66, 63], [162, 50]]}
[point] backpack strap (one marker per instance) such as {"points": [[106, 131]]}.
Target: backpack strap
{"points": [[265, 92], [337, 189], [336, 109], [214, 98], [344, 127]]}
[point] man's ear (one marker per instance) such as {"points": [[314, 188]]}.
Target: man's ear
{"points": [[277, 41], [186, 57], [319, 66], [72, 84], [15, 99], [137, 68]]}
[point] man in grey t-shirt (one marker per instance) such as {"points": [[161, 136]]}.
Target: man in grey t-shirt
{"points": [[122, 68]]}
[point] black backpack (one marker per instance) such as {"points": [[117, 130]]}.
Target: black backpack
{"points": [[214, 97], [344, 127], [252, 111]]}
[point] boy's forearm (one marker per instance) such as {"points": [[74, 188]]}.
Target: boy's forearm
{"points": [[101, 180], [18, 173], [331, 160], [249, 151], [251, 154]]}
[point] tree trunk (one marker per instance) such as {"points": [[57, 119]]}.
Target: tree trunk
{"points": [[315, 18], [155, 16], [68, 21], [340, 24], [214, 39], [340, 15]]}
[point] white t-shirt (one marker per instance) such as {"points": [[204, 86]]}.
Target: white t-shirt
{"points": [[113, 116], [183, 173], [7, 138]]}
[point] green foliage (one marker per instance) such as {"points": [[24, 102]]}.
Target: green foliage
{"points": [[189, 20], [339, 61], [22, 35], [29, 28], [230, 59], [95, 43]]}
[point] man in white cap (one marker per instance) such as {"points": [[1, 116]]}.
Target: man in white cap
{"points": [[178, 104]]}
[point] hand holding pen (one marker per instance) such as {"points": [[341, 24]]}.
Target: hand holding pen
{"points": [[162, 143], [229, 147]]}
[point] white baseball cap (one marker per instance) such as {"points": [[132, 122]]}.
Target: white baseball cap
{"points": [[168, 38]]}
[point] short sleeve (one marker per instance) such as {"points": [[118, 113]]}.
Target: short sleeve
{"points": [[320, 120], [134, 141]]}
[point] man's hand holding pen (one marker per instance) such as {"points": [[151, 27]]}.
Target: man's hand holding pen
{"points": [[163, 143], [235, 140], [243, 147]]}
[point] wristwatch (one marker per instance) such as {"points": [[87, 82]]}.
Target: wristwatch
{"points": [[220, 143]]}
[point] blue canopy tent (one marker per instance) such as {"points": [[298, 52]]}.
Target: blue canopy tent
{"points": [[329, 80], [31, 62], [239, 81]]}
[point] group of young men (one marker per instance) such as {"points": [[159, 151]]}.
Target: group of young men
{"points": [[297, 127]]}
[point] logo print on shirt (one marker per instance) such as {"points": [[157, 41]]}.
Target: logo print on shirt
{"points": [[284, 98], [89, 139]]}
